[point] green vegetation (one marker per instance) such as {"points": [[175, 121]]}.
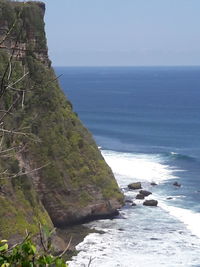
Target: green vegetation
{"points": [[26, 254], [54, 172], [28, 17]]}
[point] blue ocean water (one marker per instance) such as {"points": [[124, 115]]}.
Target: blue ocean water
{"points": [[147, 122]]}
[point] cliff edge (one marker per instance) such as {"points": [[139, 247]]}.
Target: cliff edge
{"points": [[51, 170]]}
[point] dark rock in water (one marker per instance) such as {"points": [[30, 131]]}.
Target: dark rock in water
{"points": [[122, 216], [169, 198], [147, 229], [128, 201], [135, 186], [121, 229], [177, 184], [153, 184], [140, 196], [133, 204], [145, 193], [151, 202]]}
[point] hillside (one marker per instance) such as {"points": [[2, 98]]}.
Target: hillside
{"points": [[51, 170]]}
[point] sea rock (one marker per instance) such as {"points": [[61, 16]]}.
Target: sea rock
{"points": [[140, 196], [145, 193], [150, 202], [153, 184], [154, 238], [177, 184], [135, 186], [168, 198], [128, 201], [133, 204]]}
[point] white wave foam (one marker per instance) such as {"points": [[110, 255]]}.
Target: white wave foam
{"points": [[173, 153], [188, 217], [141, 237], [142, 167]]}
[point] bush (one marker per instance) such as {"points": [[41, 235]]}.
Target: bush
{"points": [[26, 254]]}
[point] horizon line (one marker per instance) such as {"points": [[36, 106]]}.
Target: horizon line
{"points": [[124, 66]]}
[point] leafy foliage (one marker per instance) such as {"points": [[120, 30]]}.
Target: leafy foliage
{"points": [[26, 254]]}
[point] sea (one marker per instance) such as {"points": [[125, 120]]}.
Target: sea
{"points": [[146, 122]]}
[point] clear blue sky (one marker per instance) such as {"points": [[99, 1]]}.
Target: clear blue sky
{"points": [[123, 32]]}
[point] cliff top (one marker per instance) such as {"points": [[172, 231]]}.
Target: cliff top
{"points": [[39, 3]]}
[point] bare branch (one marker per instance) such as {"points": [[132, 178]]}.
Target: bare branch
{"points": [[23, 97], [13, 132], [66, 249], [24, 240], [3, 87], [41, 238], [1, 142], [18, 89], [7, 69], [13, 26], [55, 79], [11, 176], [25, 173], [4, 172], [9, 109], [5, 111], [21, 78], [90, 261], [10, 70], [7, 150]]}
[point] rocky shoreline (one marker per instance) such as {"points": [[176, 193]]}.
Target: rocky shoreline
{"points": [[79, 232], [71, 237], [142, 194]]}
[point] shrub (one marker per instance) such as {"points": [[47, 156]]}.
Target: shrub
{"points": [[26, 254]]}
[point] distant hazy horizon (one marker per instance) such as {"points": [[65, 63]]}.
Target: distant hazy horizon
{"points": [[123, 33], [126, 66]]}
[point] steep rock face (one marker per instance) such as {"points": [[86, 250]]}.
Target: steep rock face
{"points": [[62, 177], [26, 23]]}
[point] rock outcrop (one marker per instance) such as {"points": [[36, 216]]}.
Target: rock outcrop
{"points": [[57, 174], [150, 202], [177, 184], [135, 186], [145, 193], [140, 196]]}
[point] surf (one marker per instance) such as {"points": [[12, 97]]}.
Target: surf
{"points": [[137, 166]]}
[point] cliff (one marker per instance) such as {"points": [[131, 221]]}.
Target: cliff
{"points": [[51, 170]]}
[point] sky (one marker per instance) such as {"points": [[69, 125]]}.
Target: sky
{"points": [[123, 32]]}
